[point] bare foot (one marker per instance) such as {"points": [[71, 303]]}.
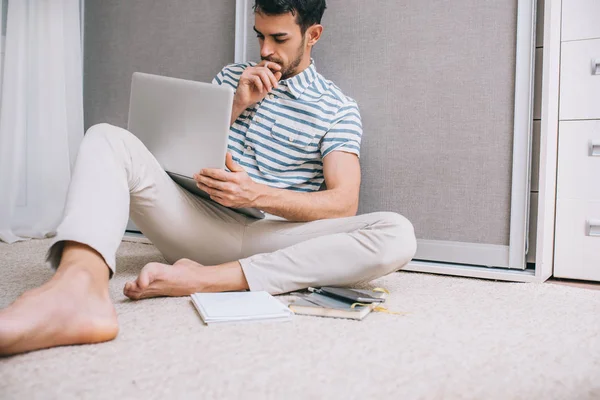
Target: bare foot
{"points": [[69, 309], [180, 279]]}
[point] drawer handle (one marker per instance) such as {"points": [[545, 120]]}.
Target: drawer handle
{"points": [[594, 228], [595, 149], [595, 66]]}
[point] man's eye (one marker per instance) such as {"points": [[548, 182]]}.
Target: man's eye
{"points": [[280, 41], [260, 37]]}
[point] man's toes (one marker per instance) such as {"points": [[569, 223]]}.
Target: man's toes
{"points": [[132, 294], [149, 274], [140, 294], [131, 290], [130, 286]]}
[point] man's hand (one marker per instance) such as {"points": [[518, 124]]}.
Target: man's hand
{"points": [[233, 189], [256, 82]]}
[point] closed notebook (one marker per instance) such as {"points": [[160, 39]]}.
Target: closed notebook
{"points": [[233, 307], [324, 306]]}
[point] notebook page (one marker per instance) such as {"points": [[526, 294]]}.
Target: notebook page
{"points": [[239, 305]]}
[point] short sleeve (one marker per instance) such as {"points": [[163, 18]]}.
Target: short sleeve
{"points": [[346, 132], [230, 75]]}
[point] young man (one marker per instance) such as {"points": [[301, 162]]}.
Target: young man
{"points": [[291, 131]]}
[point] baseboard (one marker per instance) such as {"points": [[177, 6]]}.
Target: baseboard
{"points": [[135, 237]]}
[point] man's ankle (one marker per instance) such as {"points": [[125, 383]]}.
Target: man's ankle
{"points": [[84, 262]]}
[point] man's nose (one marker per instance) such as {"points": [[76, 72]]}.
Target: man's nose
{"points": [[265, 51]]}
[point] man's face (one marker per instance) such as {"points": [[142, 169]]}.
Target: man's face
{"points": [[281, 41]]}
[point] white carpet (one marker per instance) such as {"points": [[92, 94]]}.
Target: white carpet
{"points": [[463, 339]]}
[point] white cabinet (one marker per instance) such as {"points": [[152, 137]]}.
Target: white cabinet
{"points": [[578, 232], [580, 79], [579, 160], [580, 19], [577, 229], [577, 251]]}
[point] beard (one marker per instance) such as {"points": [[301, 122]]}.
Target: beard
{"points": [[289, 70]]}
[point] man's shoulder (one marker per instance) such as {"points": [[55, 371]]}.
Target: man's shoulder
{"points": [[238, 67], [231, 73], [333, 90]]}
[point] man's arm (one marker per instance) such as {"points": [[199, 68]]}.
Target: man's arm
{"points": [[342, 177], [254, 84], [236, 189], [341, 169], [236, 111]]}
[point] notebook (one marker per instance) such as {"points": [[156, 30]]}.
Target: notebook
{"points": [[325, 306], [232, 307]]}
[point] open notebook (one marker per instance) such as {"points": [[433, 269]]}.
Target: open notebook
{"points": [[218, 308], [321, 305]]}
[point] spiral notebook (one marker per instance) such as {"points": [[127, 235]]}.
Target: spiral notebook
{"points": [[237, 307]]}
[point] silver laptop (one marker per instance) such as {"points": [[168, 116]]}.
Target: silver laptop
{"points": [[184, 124]]}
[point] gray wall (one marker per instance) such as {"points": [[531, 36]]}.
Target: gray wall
{"points": [[435, 83], [434, 79], [191, 39]]}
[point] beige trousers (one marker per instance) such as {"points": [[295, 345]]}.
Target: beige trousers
{"points": [[116, 177]]}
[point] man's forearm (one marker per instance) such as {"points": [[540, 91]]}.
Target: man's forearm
{"points": [[236, 111], [303, 207]]}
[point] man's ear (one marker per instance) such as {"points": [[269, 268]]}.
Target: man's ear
{"points": [[314, 34]]}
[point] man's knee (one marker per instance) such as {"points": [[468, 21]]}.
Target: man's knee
{"points": [[108, 132], [100, 130], [399, 243], [111, 135]]}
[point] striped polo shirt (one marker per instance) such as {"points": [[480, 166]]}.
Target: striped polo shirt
{"points": [[282, 140]]}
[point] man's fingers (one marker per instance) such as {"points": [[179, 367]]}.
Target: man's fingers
{"points": [[273, 79], [257, 82], [266, 80], [218, 174], [232, 165], [215, 184], [273, 76], [222, 201], [273, 66], [206, 189], [210, 190], [267, 76]]}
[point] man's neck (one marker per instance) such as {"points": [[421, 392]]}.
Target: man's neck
{"points": [[301, 67]]}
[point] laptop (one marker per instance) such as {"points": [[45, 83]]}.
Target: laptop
{"points": [[185, 125]]}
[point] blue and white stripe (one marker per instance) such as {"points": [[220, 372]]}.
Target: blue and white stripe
{"points": [[282, 140]]}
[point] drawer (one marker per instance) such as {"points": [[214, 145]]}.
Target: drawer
{"points": [[580, 19], [578, 160], [579, 81], [532, 236], [576, 249]]}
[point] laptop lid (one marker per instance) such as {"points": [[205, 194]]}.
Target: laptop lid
{"points": [[184, 124]]}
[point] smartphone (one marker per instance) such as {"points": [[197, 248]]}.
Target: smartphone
{"points": [[348, 295]]}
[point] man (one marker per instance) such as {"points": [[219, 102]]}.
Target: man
{"points": [[291, 131]]}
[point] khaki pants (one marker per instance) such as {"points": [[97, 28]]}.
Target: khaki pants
{"points": [[116, 177]]}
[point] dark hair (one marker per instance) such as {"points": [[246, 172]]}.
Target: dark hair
{"points": [[307, 12]]}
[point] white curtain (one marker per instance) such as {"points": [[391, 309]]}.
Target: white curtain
{"points": [[41, 114]]}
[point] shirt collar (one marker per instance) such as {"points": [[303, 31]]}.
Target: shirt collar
{"points": [[298, 84]]}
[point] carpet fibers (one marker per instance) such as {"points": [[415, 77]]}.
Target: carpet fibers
{"points": [[463, 339]]}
